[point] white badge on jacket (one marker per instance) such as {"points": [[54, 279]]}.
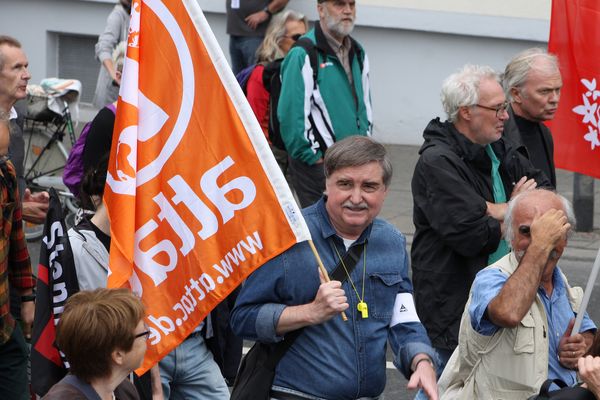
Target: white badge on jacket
{"points": [[235, 4]]}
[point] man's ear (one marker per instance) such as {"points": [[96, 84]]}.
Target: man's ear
{"points": [[465, 113], [320, 10], [516, 95]]}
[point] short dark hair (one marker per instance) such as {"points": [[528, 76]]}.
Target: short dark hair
{"points": [[93, 325], [355, 151], [9, 41], [93, 182]]}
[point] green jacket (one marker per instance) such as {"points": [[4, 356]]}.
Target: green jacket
{"points": [[312, 119]]}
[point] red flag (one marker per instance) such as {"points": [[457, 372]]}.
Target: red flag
{"points": [[195, 197], [575, 39]]}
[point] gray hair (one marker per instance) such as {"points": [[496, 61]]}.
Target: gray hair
{"points": [[8, 41], [269, 49], [355, 151], [509, 233], [118, 55], [515, 74], [462, 88]]}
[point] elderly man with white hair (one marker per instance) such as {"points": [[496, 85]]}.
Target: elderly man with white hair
{"points": [[516, 328]]}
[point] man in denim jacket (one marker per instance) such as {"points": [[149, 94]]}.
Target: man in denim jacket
{"points": [[332, 359]]}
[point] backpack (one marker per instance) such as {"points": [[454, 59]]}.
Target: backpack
{"points": [[272, 82], [73, 172], [243, 76]]}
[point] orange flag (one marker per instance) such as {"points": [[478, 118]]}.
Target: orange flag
{"points": [[195, 197], [575, 39]]}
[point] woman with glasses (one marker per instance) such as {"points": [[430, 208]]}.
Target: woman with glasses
{"points": [[103, 336], [283, 32]]}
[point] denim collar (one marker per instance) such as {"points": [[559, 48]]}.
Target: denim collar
{"points": [[327, 229]]}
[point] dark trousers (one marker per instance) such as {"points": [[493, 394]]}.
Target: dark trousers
{"points": [[13, 367], [308, 181]]}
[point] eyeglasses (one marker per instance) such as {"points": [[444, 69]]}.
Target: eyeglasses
{"points": [[145, 333], [499, 109], [294, 37]]}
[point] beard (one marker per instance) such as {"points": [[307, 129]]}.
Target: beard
{"points": [[338, 28]]}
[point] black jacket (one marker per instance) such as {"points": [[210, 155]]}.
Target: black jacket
{"points": [[454, 236], [511, 131]]}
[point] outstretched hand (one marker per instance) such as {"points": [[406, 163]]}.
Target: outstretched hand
{"points": [[35, 206], [589, 371], [424, 378]]}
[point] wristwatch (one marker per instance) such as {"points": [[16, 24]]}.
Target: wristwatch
{"points": [[269, 13]]}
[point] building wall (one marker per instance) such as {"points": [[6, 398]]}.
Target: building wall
{"points": [[412, 44]]}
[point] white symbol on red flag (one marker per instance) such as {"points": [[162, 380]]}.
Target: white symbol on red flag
{"points": [[590, 111]]}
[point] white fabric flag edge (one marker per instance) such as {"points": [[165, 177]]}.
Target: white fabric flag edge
{"points": [[255, 133]]}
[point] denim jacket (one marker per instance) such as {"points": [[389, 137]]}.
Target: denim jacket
{"points": [[336, 359]]}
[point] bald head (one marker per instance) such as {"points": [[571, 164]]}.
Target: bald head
{"points": [[531, 203], [528, 207]]}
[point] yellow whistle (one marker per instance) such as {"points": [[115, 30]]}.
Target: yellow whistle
{"points": [[363, 309]]}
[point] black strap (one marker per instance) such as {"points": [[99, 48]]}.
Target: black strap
{"points": [[545, 389], [339, 274]]}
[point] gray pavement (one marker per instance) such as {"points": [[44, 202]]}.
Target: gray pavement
{"points": [[576, 261]]}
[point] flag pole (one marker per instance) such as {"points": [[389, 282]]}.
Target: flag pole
{"points": [[323, 270], [586, 296]]}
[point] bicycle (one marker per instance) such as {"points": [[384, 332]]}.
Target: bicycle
{"points": [[47, 122]]}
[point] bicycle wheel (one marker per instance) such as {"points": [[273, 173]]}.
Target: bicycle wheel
{"points": [[45, 159], [33, 232]]}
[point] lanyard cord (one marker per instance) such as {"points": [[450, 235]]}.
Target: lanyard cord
{"points": [[347, 274]]}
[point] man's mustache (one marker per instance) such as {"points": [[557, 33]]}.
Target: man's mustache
{"points": [[361, 206]]}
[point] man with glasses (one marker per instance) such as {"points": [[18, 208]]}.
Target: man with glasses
{"points": [[532, 83], [465, 175], [313, 115]]}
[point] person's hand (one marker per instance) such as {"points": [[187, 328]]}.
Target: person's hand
{"points": [[589, 372], [523, 185], [424, 378], [496, 211], [27, 315], [550, 228], [329, 301], [35, 206], [571, 347], [253, 20]]}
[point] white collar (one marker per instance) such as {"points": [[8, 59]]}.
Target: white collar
{"points": [[13, 113]]}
